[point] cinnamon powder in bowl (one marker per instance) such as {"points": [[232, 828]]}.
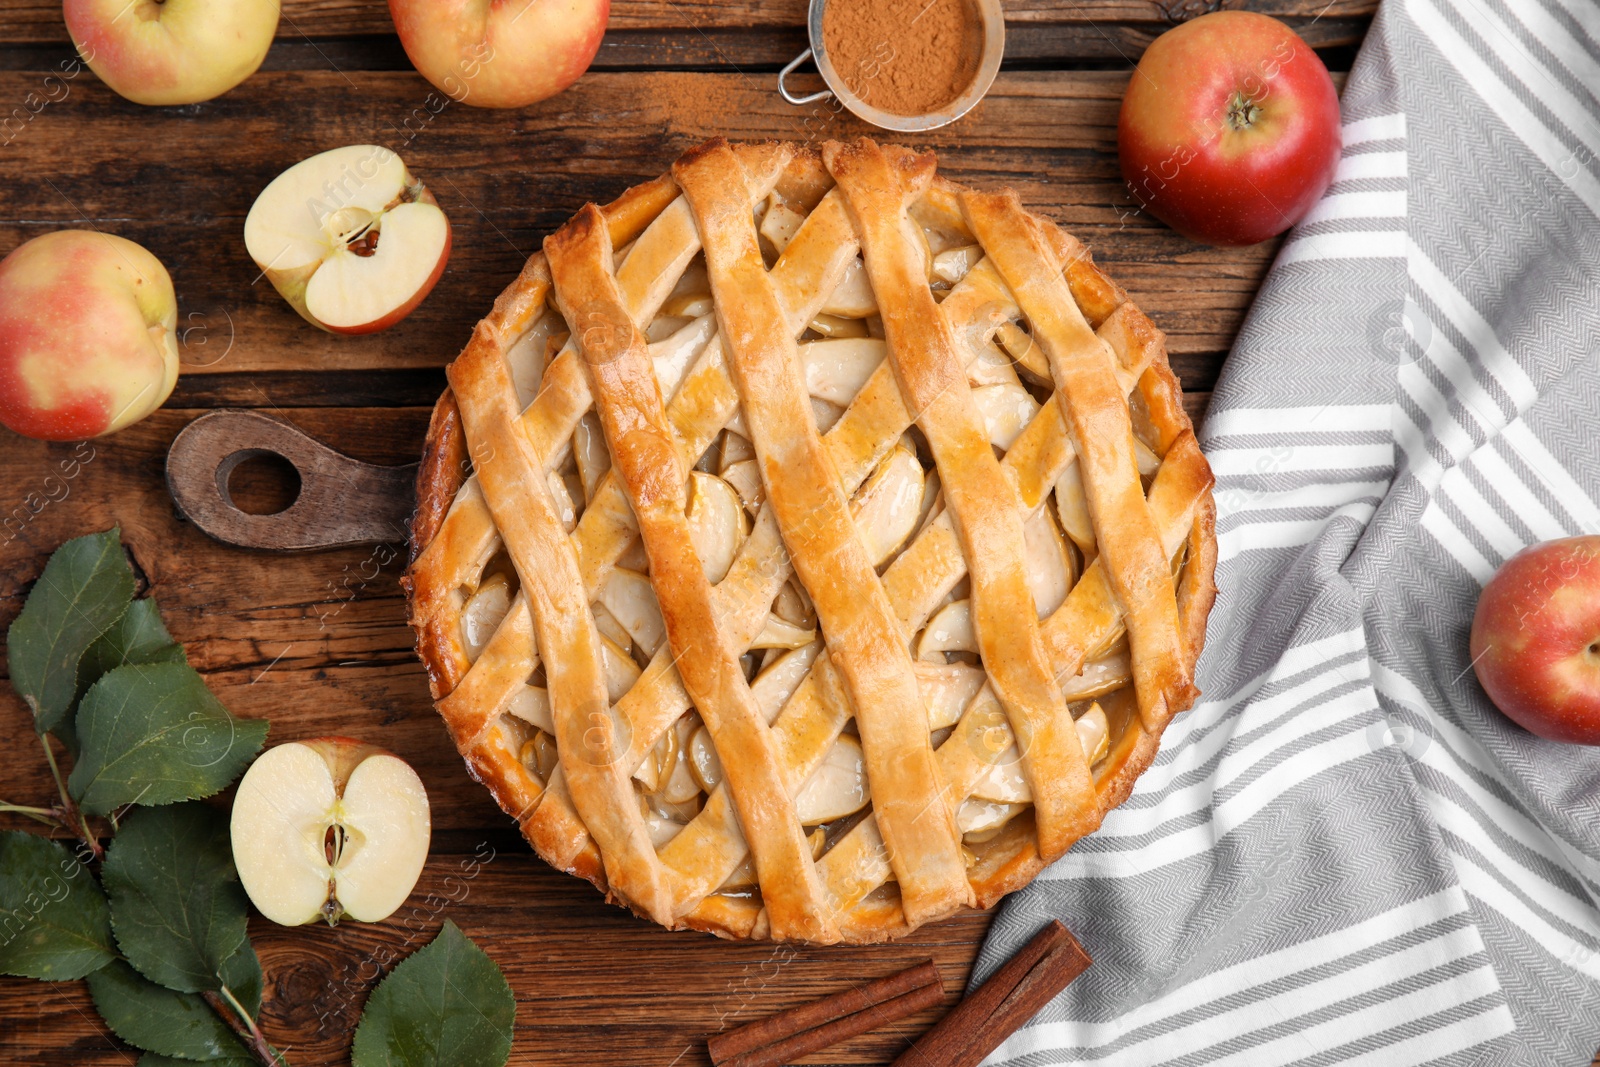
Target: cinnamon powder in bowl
{"points": [[906, 57], [905, 65]]}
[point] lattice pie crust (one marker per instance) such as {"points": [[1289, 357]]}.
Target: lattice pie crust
{"points": [[808, 546]]}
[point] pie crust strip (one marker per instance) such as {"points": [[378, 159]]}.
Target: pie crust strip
{"points": [[645, 455], [932, 565], [864, 638], [804, 275], [864, 433], [646, 277], [707, 399]]}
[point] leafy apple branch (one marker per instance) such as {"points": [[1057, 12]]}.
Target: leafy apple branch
{"points": [[155, 922], [105, 680]]}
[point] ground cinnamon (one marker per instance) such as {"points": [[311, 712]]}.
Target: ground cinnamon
{"points": [[908, 57]]}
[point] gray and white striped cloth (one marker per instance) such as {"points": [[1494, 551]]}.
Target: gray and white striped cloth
{"points": [[1343, 854]]}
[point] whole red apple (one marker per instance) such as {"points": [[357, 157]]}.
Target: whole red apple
{"points": [[1229, 131], [163, 52], [500, 53], [88, 335], [1536, 639]]}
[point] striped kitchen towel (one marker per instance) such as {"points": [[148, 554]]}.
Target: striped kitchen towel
{"points": [[1343, 854]]}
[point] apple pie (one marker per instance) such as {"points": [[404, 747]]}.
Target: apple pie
{"points": [[808, 546]]}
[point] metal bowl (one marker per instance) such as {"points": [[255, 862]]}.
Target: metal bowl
{"points": [[993, 25]]}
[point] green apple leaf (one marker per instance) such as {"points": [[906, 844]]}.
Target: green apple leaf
{"points": [[138, 637], [84, 590], [155, 1059], [154, 734], [177, 907], [446, 1003], [53, 918], [162, 1020]]}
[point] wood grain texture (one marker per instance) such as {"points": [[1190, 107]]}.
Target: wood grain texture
{"points": [[756, 49], [1124, 21]]}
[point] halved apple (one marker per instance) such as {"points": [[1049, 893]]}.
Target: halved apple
{"points": [[329, 828], [350, 238]]}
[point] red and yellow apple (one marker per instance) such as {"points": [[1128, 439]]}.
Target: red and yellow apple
{"points": [[1229, 131], [329, 828], [350, 238], [500, 53], [88, 340], [172, 51], [1535, 640]]}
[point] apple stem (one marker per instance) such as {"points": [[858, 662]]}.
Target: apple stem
{"points": [[72, 816], [245, 1026], [44, 815]]}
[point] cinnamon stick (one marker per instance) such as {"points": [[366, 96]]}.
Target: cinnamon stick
{"points": [[843, 1029], [788, 1035], [1014, 994]]}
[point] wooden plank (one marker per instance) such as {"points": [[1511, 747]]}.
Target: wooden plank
{"points": [[323, 389], [265, 629], [506, 179], [1122, 43], [39, 21], [763, 49]]}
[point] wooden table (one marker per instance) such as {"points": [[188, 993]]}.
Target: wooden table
{"points": [[318, 643]]}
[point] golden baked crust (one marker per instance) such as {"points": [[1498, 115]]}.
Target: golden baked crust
{"points": [[968, 559]]}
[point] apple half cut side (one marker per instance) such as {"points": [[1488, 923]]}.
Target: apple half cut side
{"points": [[349, 238], [329, 828]]}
